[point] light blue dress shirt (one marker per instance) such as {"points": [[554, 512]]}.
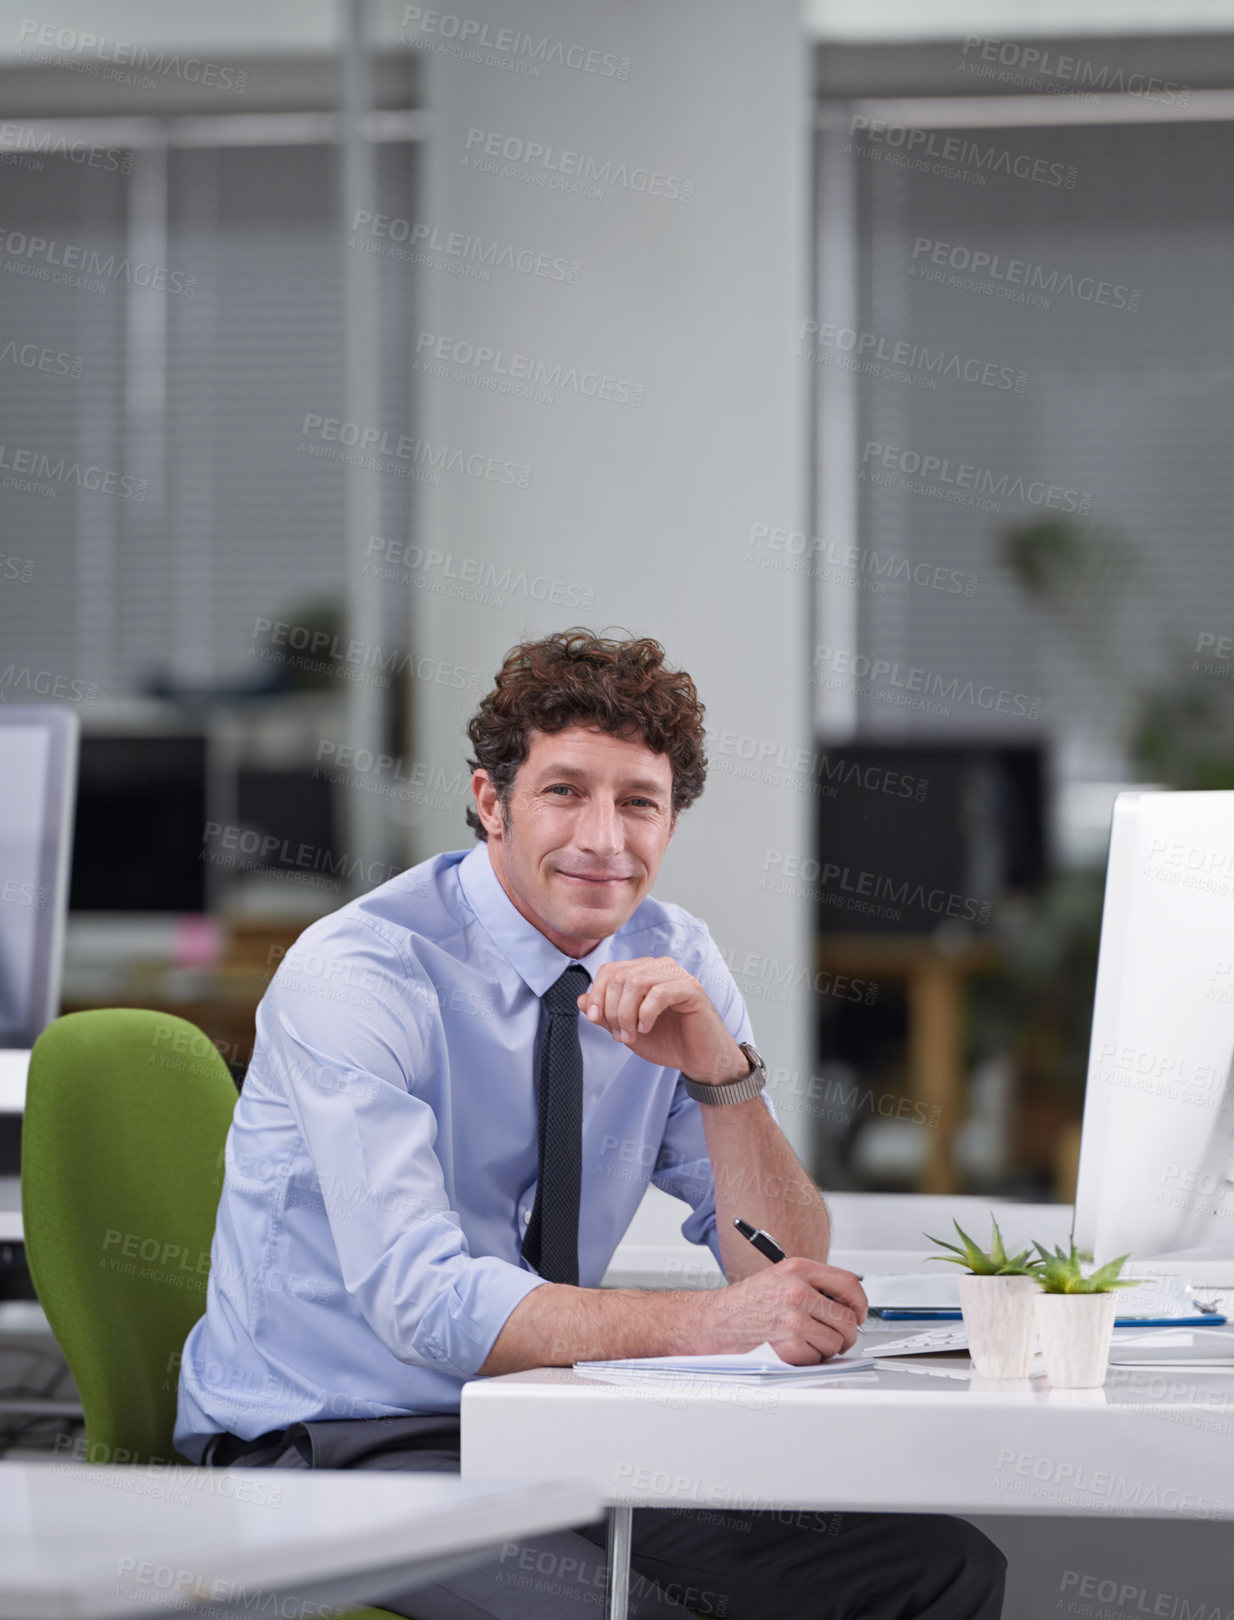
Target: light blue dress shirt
{"points": [[381, 1164]]}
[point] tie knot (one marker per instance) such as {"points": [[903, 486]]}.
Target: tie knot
{"points": [[562, 997]]}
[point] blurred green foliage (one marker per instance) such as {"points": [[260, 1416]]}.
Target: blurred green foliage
{"points": [[1037, 1005]]}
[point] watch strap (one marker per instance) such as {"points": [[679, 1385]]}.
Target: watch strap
{"points": [[732, 1091]]}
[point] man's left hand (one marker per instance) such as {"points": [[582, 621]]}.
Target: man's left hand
{"points": [[663, 1014]]}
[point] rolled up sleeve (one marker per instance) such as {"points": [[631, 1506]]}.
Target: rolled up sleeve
{"points": [[402, 1252]]}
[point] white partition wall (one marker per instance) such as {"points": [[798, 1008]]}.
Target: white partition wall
{"points": [[624, 220]]}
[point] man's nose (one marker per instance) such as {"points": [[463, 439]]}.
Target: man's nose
{"points": [[601, 832]]}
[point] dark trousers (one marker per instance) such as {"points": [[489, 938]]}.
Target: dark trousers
{"points": [[785, 1565]]}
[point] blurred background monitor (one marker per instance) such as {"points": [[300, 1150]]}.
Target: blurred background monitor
{"points": [[912, 836], [38, 758], [172, 822], [141, 808]]}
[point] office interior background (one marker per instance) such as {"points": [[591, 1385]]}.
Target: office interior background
{"points": [[873, 359]]}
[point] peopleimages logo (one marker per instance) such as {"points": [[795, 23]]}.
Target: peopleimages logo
{"points": [[994, 267], [417, 242], [46, 143], [520, 375], [34, 358], [859, 886], [35, 256], [977, 160], [804, 764], [546, 163], [368, 446], [840, 669], [45, 42], [46, 684], [34, 472], [471, 38], [1135, 1600], [1040, 64], [442, 571], [856, 563], [1000, 486], [1054, 1479], [899, 359]]}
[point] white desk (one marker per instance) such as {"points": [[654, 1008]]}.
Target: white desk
{"points": [[894, 1441], [81, 1542]]}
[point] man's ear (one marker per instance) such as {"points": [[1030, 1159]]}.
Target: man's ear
{"points": [[488, 805], [672, 828]]}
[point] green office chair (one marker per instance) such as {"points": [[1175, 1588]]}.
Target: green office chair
{"points": [[121, 1169]]}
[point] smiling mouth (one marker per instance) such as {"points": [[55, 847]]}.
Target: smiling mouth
{"points": [[596, 880]]}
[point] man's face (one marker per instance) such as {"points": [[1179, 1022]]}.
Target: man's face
{"points": [[589, 819]]}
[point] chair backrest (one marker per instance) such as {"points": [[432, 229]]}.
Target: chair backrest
{"points": [[121, 1168]]}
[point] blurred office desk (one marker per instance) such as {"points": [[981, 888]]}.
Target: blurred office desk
{"points": [[921, 1439], [936, 976], [83, 1541]]}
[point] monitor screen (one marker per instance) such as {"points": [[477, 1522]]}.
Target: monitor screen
{"points": [[1157, 1152], [912, 834], [141, 808]]}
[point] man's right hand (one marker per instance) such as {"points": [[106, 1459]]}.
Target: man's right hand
{"points": [[805, 1310]]}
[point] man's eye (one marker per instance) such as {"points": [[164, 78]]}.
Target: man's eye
{"points": [[561, 787]]}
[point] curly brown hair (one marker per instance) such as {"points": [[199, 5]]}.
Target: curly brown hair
{"points": [[625, 687]]}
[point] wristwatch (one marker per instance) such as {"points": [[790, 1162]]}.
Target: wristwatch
{"points": [[732, 1091]]}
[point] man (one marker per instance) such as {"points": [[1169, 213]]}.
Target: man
{"points": [[461, 1085]]}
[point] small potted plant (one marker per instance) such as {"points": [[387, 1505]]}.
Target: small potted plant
{"points": [[1075, 1316], [997, 1300]]}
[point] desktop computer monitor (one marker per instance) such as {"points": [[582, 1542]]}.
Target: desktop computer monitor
{"points": [[1156, 1172], [38, 765], [141, 808], [931, 830]]}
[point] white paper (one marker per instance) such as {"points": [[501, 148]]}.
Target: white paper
{"points": [[914, 1290], [761, 1362]]}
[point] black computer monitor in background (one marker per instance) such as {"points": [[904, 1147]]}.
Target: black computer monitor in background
{"points": [[913, 836], [146, 831], [917, 845], [141, 808]]}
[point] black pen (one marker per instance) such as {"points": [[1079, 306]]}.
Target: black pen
{"points": [[762, 1241]]}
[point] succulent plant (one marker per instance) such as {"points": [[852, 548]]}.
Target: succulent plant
{"points": [[994, 1263], [1060, 1273]]}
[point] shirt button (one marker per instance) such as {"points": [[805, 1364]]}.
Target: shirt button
{"points": [[526, 1217]]}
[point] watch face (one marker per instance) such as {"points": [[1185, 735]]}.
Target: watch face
{"points": [[756, 1061]]}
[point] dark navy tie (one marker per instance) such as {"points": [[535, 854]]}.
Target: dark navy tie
{"points": [[551, 1241]]}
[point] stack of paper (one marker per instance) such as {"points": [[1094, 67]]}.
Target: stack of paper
{"points": [[761, 1365]]}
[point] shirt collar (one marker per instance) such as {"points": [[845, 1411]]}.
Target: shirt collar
{"points": [[534, 958]]}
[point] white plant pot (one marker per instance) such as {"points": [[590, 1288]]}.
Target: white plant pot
{"points": [[1075, 1337], [999, 1324]]}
